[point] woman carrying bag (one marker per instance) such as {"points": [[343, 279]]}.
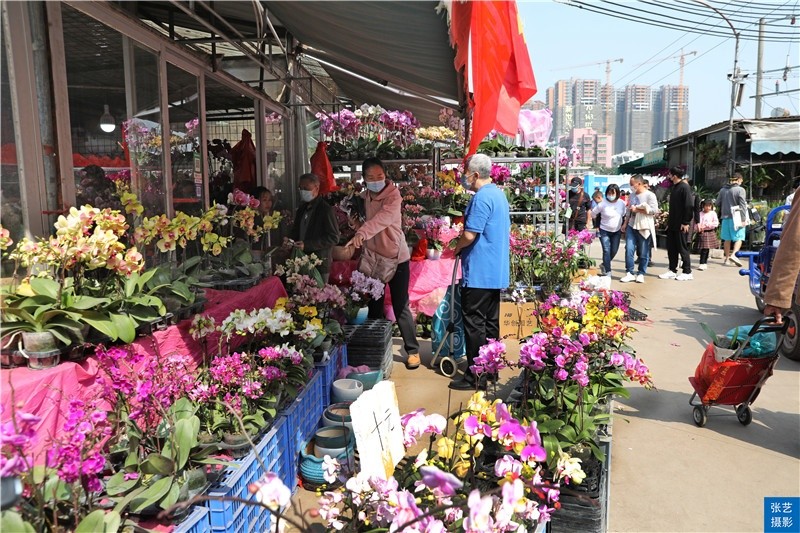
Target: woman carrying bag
{"points": [[385, 255]]}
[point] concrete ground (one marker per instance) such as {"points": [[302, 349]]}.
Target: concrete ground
{"points": [[668, 475]]}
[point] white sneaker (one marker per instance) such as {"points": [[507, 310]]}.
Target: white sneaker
{"points": [[683, 277], [735, 261], [640, 278], [726, 262], [627, 278], [669, 274], [702, 267]]}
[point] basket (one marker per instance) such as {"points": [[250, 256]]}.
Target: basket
{"points": [[302, 419], [237, 516], [196, 522], [330, 369]]}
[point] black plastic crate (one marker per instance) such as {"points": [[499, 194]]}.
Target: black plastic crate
{"points": [[369, 333]]}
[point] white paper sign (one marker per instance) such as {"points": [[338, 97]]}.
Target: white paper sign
{"points": [[376, 424]]}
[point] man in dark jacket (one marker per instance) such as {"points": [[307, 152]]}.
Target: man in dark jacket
{"points": [[579, 203], [315, 230], [681, 213]]}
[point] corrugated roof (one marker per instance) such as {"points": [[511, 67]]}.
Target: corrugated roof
{"points": [[774, 137]]}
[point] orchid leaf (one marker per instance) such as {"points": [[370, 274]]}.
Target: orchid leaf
{"points": [[117, 484], [157, 464], [99, 522], [126, 327], [12, 521], [171, 498], [152, 494], [47, 287]]}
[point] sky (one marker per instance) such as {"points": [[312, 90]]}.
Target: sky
{"points": [[560, 36]]}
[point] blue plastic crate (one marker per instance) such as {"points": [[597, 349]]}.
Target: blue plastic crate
{"points": [[330, 369], [275, 454], [196, 522], [237, 516], [302, 418]]}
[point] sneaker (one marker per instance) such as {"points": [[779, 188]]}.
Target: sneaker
{"points": [[412, 361], [735, 261], [726, 262], [640, 278], [702, 267], [627, 278], [669, 274], [683, 277]]}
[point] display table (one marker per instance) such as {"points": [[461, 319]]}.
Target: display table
{"points": [[46, 393], [428, 282]]}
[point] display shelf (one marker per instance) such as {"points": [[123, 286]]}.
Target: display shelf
{"points": [[384, 161]]}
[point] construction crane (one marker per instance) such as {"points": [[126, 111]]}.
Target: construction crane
{"points": [[607, 95], [682, 59]]}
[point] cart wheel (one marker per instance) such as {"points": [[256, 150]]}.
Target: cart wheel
{"points": [[760, 304], [448, 366], [699, 415], [744, 414]]}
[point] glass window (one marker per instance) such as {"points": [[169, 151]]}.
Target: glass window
{"points": [[10, 195], [230, 122], [96, 90], [184, 141], [275, 178]]}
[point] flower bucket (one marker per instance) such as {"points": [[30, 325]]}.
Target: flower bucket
{"points": [[433, 254], [359, 318]]}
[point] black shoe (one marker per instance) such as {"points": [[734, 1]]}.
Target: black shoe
{"points": [[468, 383]]}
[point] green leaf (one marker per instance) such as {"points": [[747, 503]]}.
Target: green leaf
{"points": [[171, 498], [47, 287], [101, 322], [186, 439], [123, 502], [152, 494], [12, 521], [98, 521], [126, 327], [710, 332], [117, 484], [157, 464]]}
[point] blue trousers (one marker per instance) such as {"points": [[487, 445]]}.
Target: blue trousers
{"points": [[634, 242], [609, 242]]}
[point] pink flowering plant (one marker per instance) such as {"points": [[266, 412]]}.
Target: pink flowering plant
{"points": [[558, 259], [361, 291], [63, 488], [485, 475], [571, 367], [440, 232]]}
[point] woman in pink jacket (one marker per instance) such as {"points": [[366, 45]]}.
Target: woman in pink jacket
{"points": [[382, 233]]}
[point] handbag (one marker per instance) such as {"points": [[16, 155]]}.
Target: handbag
{"points": [[377, 266], [741, 217]]}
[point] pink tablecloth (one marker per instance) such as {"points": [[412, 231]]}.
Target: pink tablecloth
{"points": [[46, 393], [427, 285]]}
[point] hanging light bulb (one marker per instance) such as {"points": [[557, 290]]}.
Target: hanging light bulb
{"points": [[107, 123]]}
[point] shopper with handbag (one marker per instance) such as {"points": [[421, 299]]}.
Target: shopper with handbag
{"points": [[315, 230], [385, 252], [732, 203]]}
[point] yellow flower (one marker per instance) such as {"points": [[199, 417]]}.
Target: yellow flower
{"points": [[308, 311], [281, 302], [445, 447]]}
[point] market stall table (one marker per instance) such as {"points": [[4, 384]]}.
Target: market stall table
{"points": [[46, 393], [427, 286]]}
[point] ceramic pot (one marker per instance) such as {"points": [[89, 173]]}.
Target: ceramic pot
{"points": [[346, 390], [359, 318], [39, 341], [433, 254], [332, 437], [368, 379], [337, 414]]}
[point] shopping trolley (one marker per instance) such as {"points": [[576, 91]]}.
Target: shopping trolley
{"points": [[729, 377], [447, 328]]}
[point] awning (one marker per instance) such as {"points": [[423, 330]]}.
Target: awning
{"points": [[402, 44], [774, 137], [630, 167]]}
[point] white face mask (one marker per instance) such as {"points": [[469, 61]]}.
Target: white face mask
{"points": [[611, 197], [306, 196], [376, 186]]}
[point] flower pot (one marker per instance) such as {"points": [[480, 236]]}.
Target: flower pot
{"points": [[42, 360], [367, 379], [311, 466], [337, 414], [433, 254], [39, 341], [332, 437], [236, 444], [359, 318], [346, 390]]}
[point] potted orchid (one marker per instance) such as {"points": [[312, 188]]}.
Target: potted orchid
{"points": [[440, 232], [362, 289]]}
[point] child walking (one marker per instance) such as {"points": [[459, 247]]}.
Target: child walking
{"points": [[707, 227]]}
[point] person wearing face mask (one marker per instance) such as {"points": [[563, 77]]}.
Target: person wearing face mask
{"points": [[612, 215], [641, 230], [382, 233], [315, 230], [484, 250], [579, 204], [681, 214]]}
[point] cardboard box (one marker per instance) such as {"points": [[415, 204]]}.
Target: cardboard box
{"points": [[517, 321]]}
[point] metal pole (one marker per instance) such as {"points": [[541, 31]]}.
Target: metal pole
{"points": [[760, 67], [734, 82]]}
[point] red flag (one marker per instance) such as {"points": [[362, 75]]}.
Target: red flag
{"points": [[502, 75], [321, 166]]}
